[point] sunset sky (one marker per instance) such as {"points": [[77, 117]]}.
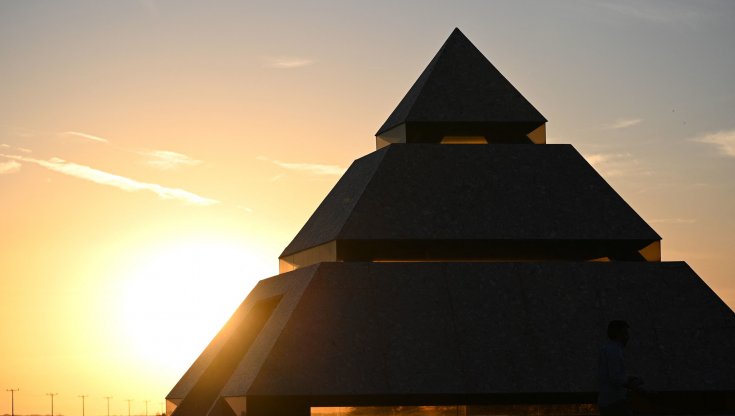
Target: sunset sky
{"points": [[156, 156]]}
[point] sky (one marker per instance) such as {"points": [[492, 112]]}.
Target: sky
{"points": [[156, 156]]}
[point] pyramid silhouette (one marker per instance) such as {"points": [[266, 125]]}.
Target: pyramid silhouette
{"points": [[471, 278]]}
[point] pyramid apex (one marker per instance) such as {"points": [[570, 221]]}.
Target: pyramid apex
{"points": [[456, 32], [462, 98], [456, 36]]}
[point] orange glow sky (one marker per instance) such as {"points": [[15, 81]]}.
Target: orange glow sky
{"points": [[157, 155]]}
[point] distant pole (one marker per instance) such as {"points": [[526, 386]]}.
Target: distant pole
{"points": [[83, 396], [146, 407], [108, 405], [12, 400], [52, 401], [128, 400]]}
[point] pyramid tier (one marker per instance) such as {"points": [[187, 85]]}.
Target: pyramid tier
{"points": [[345, 334], [409, 202], [461, 94], [461, 85]]}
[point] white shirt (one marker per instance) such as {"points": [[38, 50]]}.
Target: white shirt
{"points": [[612, 376]]}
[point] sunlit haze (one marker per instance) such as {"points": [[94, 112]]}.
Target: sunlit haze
{"points": [[156, 156]]}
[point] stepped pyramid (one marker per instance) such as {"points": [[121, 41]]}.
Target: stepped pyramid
{"points": [[465, 267]]}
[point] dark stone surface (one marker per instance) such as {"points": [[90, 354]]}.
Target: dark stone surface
{"points": [[339, 204], [546, 193], [496, 328], [195, 381], [461, 85], [414, 333]]}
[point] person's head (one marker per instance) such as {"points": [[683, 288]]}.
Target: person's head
{"points": [[618, 331]]}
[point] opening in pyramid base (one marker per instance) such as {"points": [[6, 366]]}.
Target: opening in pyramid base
{"points": [[473, 251], [460, 410]]}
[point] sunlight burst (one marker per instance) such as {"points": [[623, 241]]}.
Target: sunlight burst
{"points": [[177, 297]]}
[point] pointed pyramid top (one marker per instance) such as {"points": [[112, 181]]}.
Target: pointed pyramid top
{"points": [[461, 86]]}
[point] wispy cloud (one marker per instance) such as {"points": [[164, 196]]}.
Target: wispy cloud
{"points": [[86, 136], [616, 164], [596, 159], [19, 131], [278, 177], [158, 159], [622, 123], [19, 149], [168, 160], [669, 254], [656, 12], [11, 166], [283, 62], [673, 221], [313, 168], [120, 182], [724, 141]]}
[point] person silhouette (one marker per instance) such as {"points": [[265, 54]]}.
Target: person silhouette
{"points": [[614, 381]]}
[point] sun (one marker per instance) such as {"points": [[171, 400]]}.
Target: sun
{"points": [[178, 295]]}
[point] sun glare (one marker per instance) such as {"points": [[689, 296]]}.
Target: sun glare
{"points": [[178, 296]]}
